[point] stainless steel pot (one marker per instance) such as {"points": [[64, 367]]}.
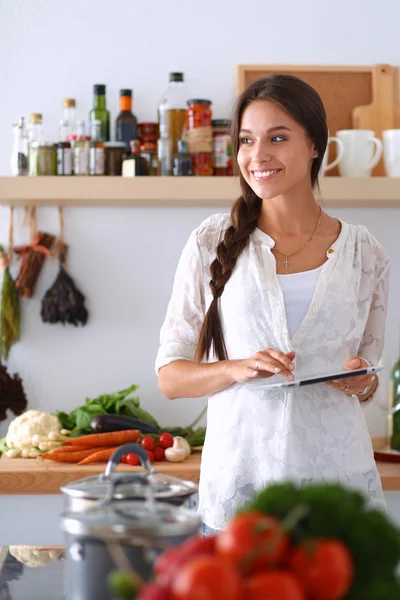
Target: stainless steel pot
{"points": [[112, 534], [84, 494]]}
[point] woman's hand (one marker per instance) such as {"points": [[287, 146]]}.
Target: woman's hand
{"points": [[353, 385], [261, 365]]}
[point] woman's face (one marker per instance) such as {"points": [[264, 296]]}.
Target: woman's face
{"points": [[275, 154]]}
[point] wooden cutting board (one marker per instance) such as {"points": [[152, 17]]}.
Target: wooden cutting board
{"points": [[383, 112], [39, 476], [362, 97]]}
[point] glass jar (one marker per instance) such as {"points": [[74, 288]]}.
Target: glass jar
{"points": [[222, 147], [148, 133], [198, 136], [64, 158], [42, 159], [115, 154]]}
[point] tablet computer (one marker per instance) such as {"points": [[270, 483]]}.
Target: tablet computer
{"points": [[321, 378]]}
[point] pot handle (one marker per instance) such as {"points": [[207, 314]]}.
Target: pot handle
{"points": [[127, 449]]}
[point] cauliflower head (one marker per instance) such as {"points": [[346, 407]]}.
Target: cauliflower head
{"points": [[34, 557], [30, 423]]}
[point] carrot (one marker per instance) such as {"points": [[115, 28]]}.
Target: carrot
{"points": [[65, 449], [70, 457], [115, 438], [102, 455]]}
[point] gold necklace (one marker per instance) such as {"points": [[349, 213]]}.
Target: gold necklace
{"points": [[286, 262]]}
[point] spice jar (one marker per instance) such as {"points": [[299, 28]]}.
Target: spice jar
{"points": [[42, 159], [198, 136], [64, 158], [115, 154], [222, 147], [148, 133]]}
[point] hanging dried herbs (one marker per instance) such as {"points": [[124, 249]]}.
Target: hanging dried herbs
{"points": [[32, 258], [9, 303], [10, 310], [63, 302], [12, 395]]}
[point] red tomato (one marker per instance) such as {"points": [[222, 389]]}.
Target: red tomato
{"points": [[150, 455], [148, 443], [325, 567], [123, 459], [274, 585], [159, 453], [166, 440], [169, 563], [207, 578], [253, 541], [132, 459]]}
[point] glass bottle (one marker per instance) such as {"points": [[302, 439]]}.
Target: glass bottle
{"points": [[136, 165], [394, 406], [63, 130], [81, 150], [70, 117], [182, 162], [96, 149], [172, 110], [126, 128], [35, 129], [164, 151], [100, 112], [19, 157]]}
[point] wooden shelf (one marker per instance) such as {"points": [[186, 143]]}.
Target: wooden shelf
{"points": [[178, 191]]}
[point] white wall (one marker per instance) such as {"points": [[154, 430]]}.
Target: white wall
{"points": [[124, 259]]}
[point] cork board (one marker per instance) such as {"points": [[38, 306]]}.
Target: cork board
{"points": [[344, 91]]}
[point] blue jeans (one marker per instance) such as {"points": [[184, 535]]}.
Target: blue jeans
{"points": [[209, 530]]}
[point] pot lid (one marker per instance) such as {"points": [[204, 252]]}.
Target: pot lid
{"points": [[143, 519], [124, 486]]}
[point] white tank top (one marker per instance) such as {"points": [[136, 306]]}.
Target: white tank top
{"points": [[298, 290]]}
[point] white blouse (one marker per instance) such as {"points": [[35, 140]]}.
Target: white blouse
{"points": [[255, 436], [298, 290]]}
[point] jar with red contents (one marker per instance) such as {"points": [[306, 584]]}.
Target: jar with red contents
{"points": [[148, 136], [222, 147], [199, 136]]}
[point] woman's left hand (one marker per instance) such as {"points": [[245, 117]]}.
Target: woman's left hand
{"points": [[353, 385]]}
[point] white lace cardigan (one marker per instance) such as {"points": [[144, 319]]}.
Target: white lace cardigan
{"points": [[255, 436]]}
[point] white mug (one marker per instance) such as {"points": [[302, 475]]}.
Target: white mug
{"points": [[391, 152], [339, 150], [359, 157]]}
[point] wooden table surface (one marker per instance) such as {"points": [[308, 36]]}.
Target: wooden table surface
{"points": [[38, 476]]}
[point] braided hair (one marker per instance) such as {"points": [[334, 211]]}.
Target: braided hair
{"points": [[304, 105]]}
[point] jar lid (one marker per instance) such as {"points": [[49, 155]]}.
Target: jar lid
{"points": [[43, 145], [148, 125], [128, 518], [33, 117], [69, 103], [199, 101], [115, 144], [64, 145], [221, 122], [132, 486], [125, 93]]}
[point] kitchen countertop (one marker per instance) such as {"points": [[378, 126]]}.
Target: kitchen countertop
{"points": [[19, 581], [39, 476]]}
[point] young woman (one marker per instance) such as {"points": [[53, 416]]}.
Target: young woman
{"points": [[275, 288]]}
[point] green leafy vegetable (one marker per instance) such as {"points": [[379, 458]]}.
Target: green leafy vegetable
{"points": [[3, 446], [122, 403]]}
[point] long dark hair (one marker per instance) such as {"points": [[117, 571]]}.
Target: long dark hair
{"points": [[304, 105]]}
